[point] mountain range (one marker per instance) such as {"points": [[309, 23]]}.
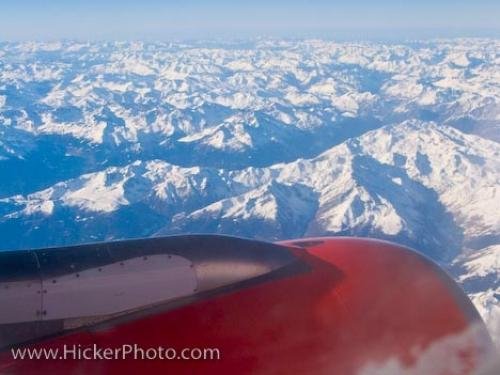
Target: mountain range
{"points": [[263, 138]]}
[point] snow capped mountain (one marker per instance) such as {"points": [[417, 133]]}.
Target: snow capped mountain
{"points": [[479, 273], [270, 139], [386, 183], [278, 210]]}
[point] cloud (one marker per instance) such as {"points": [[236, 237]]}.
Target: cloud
{"points": [[451, 355]]}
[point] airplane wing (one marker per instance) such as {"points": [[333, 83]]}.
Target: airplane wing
{"points": [[309, 306]]}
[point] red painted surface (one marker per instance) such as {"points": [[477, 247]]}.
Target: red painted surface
{"points": [[361, 302]]}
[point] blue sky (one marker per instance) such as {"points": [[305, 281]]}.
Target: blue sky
{"points": [[155, 19]]}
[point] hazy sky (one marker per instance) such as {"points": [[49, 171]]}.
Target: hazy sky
{"points": [[155, 19]]}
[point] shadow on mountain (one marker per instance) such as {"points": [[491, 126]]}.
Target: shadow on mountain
{"points": [[486, 129], [67, 227], [428, 228], [48, 162], [296, 206]]}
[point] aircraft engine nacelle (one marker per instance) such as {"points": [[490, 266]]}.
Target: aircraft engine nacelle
{"points": [[310, 306]]}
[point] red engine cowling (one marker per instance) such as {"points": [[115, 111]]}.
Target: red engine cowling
{"points": [[312, 306]]}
